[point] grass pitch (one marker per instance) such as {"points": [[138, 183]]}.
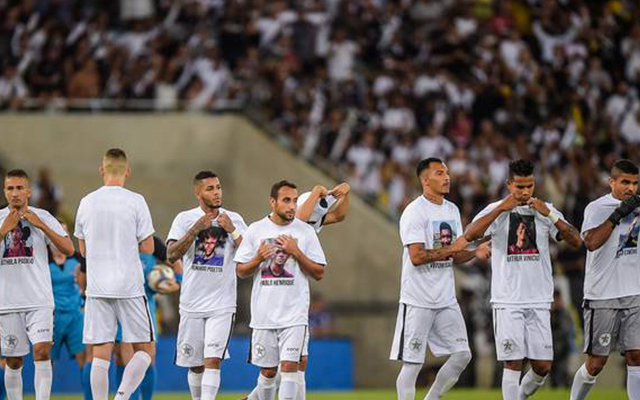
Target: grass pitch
{"points": [[390, 395]]}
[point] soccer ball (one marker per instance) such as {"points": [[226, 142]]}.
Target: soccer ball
{"points": [[159, 277]]}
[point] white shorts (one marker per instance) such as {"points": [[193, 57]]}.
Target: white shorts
{"points": [[203, 337], [305, 347], [523, 333], [443, 329], [271, 346], [101, 317], [17, 329]]}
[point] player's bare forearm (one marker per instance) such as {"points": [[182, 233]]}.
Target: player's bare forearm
{"points": [[146, 246], [340, 212], [178, 248], [62, 243], [245, 270], [424, 256], [313, 269], [569, 234], [463, 256], [596, 237], [306, 209], [477, 229]]}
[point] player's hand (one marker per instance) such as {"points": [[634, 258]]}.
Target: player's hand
{"points": [[460, 244], [287, 243], [539, 206], [508, 203], [266, 251], [203, 223], [169, 286], [320, 191], [10, 222], [225, 222], [483, 252], [342, 189], [625, 208], [33, 219]]}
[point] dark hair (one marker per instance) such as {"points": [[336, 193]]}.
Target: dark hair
{"points": [[424, 164], [520, 168], [17, 173], [203, 175], [276, 188], [115, 154], [445, 226], [624, 166]]}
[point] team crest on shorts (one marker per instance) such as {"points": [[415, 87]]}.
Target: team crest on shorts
{"points": [[605, 339], [508, 346], [187, 350], [260, 351], [10, 341], [415, 344]]}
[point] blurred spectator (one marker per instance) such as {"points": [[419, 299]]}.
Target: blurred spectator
{"points": [[563, 337], [45, 193], [320, 321]]}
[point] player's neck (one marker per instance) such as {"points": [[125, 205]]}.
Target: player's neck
{"points": [[275, 218], [210, 210], [114, 181], [434, 198]]}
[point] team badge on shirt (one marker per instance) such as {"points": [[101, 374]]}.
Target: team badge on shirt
{"points": [[18, 245], [522, 243], [210, 247], [628, 243], [279, 266]]}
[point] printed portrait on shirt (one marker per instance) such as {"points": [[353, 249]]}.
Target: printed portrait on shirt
{"points": [[444, 234], [210, 246], [18, 242], [280, 265], [628, 242], [522, 234]]}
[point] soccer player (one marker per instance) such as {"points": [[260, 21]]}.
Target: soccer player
{"points": [[429, 313], [205, 238], [113, 226], [67, 315], [322, 207], [612, 281], [280, 305], [521, 281], [26, 295]]}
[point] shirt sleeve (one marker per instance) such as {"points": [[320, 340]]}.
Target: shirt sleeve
{"points": [[178, 229], [594, 216], [54, 225], [144, 227], [78, 230], [248, 248], [313, 249], [239, 223], [412, 229], [492, 228]]}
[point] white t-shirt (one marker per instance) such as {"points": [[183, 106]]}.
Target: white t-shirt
{"points": [[520, 261], [280, 293], [322, 207], [613, 270], [112, 221], [209, 282], [25, 279], [430, 285]]}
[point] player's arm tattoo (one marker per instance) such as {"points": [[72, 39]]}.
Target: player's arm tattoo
{"points": [[420, 256], [569, 234], [177, 249], [463, 256], [596, 237]]}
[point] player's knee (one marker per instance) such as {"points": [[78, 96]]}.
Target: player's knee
{"points": [[269, 372], [595, 365], [212, 363], [14, 362], [302, 366], [462, 358], [541, 368], [41, 352], [289, 366], [513, 365], [633, 358], [197, 370]]}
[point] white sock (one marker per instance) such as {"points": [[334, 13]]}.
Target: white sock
{"points": [[510, 384], [448, 374], [100, 379], [406, 382], [210, 383], [13, 383], [302, 386], [133, 375], [42, 379], [195, 384], [633, 382], [266, 389], [582, 383], [254, 395], [530, 383], [288, 386]]}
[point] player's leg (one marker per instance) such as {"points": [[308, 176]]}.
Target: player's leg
{"points": [[123, 353], [448, 336], [40, 331], [264, 354], [99, 331], [86, 372], [538, 338], [290, 344], [217, 334], [302, 368], [409, 345], [15, 345], [630, 345], [148, 385], [190, 352], [137, 329], [3, 365], [508, 325], [599, 326]]}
